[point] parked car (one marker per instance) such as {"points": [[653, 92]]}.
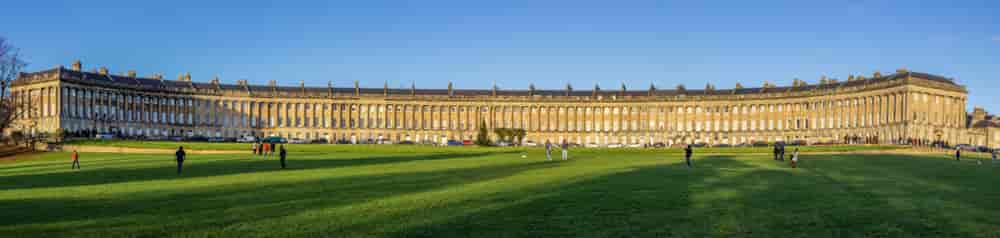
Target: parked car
{"points": [[467, 142], [614, 145], [798, 143], [530, 143], [216, 139], [197, 138], [698, 145], [406, 142], [592, 145], [966, 147], [760, 144], [635, 146], [659, 145], [104, 136], [722, 145], [297, 141], [454, 143], [246, 139]]}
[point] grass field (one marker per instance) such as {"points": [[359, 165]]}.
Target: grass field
{"points": [[413, 191]]}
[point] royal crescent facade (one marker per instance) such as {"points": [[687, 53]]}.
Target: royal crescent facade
{"points": [[882, 108]]}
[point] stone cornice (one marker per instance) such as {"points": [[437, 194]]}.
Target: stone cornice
{"points": [[243, 90]]}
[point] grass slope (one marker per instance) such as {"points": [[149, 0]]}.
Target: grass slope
{"points": [[410, 191]]}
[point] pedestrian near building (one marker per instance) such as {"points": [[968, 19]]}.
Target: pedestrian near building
{"points": [[781, 153], [687, 155], [76, 160], [795, 158], [273, 147], [958, 154], [282, 154], [995, 152], [565, 150], [548, 150], [180, 156], [265, 150], [253, 148], [777, 151]]}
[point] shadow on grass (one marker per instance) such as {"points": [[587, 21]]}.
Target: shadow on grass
{"points": [[194, 168], [719, 198], [206, 210]]}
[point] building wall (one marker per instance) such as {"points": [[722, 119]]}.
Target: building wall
{"points": [[885, 112]]}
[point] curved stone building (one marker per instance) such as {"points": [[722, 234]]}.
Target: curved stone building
{"points": [[877, 109]]}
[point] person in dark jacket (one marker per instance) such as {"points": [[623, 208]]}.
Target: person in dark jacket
{"points": [[180, 158], [282, 154], [687, 155], [777, 151], [958, 154], [781, 153], [273, 148]]}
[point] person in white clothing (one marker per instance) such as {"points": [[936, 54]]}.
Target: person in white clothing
{"points": [[565, 150], [548, 150], [795, 158]]}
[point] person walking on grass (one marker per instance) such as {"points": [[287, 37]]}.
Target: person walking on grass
{"points": [[795, 158], [994, 154], [781, 153], [548, 150], [253, 149], [777, 151], [273, 147], [687, 155], [76, 160], [265, 150], [180, 156], [958, 154], [565, 150], [282, 154]]}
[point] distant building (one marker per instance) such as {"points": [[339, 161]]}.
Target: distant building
{"points": [[897, 108], [984, 129]]}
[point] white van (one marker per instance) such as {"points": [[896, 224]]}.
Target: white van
{"points": [[247, 139]]}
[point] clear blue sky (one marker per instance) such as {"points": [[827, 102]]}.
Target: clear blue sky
{"points": [[514, 43]]}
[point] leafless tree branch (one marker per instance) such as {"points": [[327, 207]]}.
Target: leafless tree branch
{"points": [[10, 65]]}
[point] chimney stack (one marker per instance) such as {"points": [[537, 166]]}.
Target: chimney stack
{"points": [[131, 73], [77, 66], [103, 70]]}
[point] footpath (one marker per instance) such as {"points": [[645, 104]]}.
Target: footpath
{"points": [[111, 149]]}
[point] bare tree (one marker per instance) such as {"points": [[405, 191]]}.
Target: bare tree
{"points": [[10, 65]]}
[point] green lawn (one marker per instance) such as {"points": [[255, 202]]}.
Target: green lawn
{"points": [[415, 191]]}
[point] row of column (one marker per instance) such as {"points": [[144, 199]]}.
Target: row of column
{"points": [[217, 112]]}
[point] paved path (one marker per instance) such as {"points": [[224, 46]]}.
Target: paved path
{"points": [[110, 149]]}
